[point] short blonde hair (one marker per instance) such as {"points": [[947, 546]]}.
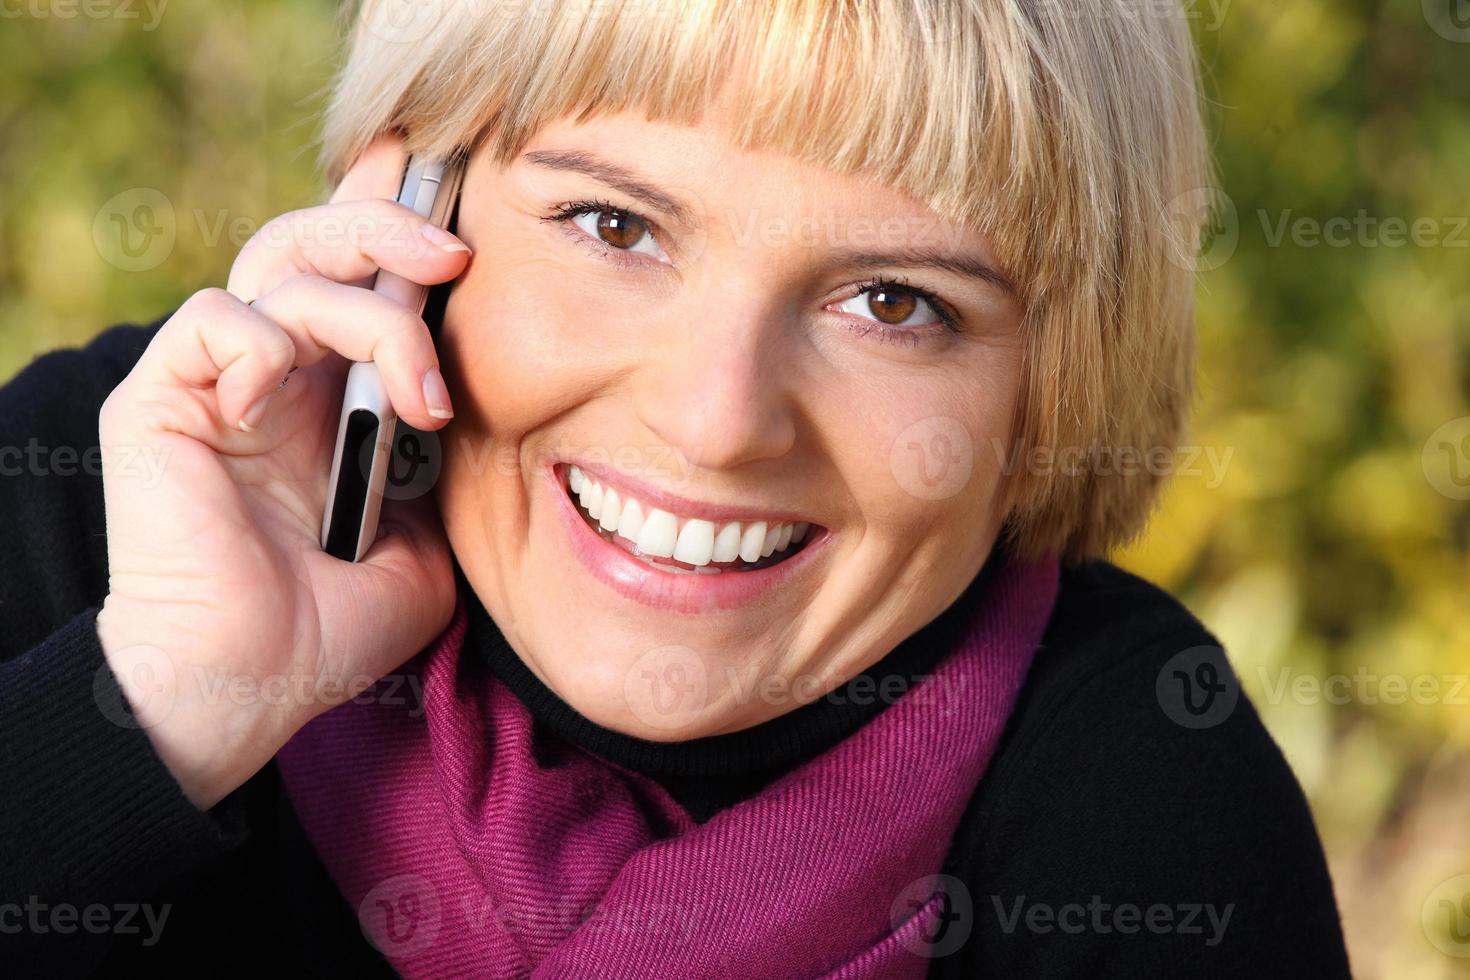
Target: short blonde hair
{"points": [[1067, 133]]}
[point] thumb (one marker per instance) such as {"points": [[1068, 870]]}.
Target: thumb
{"points": [[402, 593]]}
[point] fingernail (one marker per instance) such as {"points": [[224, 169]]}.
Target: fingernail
{"points": [[442, 239], [436, 395], [255, 413]]}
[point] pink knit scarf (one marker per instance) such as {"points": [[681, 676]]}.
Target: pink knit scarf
{"points": [[473, 844]]}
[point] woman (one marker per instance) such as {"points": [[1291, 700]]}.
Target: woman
{"points": [[753, 623]]}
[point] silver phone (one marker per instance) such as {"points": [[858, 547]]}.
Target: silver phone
{"points": [[366, 430]]}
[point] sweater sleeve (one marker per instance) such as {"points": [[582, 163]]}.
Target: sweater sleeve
{"points": [[91, 815]]}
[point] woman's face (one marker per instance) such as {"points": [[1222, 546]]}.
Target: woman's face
{"points": [[729, 346]]}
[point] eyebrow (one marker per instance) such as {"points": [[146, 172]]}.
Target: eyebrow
{"points": [[625, 180], [928, 259], [611, 174]]}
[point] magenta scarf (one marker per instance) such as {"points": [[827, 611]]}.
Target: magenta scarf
{"points": [[470, 846]]}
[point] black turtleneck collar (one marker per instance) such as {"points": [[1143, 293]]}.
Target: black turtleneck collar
{"points": [[706, 775]]}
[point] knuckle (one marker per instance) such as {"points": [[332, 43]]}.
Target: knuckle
{"points": [[402, 326], [299, 291], [302, 285], [148, 415], [276, 347], [209, 303]]}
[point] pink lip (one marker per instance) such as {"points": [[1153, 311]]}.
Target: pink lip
{"points": [[634, 579]]}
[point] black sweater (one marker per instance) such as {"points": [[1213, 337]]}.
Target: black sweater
{"points": [[1129, 825]]}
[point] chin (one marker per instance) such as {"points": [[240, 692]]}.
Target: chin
{"points": [[660, 692]]}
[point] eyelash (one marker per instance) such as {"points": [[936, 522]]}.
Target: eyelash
{"points": [[564, 213], [949, 321]]}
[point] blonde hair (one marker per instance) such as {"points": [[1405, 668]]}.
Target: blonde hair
{"points": [[1068, 133]]}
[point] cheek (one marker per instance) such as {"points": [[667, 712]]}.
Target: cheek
{"points": [[510, 353], [928, 458]]}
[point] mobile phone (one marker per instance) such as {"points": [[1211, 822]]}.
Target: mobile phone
{"points": [[366, 431]]}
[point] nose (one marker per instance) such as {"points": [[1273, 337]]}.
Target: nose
{"points": [[721, 390]]}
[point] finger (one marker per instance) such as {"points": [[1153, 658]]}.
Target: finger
{"points": [[376, 173], [245, 351], [349, 242], [212, 342], [314, 239], [361, 325]]}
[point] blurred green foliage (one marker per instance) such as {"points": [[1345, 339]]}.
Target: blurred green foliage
{"points": [[1326, 545], [214, 108], [1332, 560]]}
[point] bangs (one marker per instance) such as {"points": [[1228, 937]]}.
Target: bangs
{"points": [[907, 93]]}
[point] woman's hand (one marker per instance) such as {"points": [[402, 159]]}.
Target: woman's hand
{"points": [[227, 625]]}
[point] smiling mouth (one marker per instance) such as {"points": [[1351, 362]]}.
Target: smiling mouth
{"points": [[677, 544]]}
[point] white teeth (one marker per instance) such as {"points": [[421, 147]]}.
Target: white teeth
{"points": [[751, 541], [769, 544], [612, 509], [784, 538], [632, 520], [658, 534], [592, 499], [696, 543], [727, 542]]}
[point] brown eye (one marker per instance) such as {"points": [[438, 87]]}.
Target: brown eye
{"points": [[891, 305], [896, 304], [620, 229], [610, 232]]}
